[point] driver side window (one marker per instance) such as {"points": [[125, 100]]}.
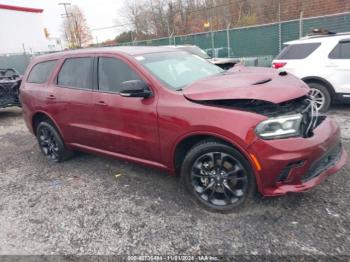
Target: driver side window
{"points": [[112, 72]]}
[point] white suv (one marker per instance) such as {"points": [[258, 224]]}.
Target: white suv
{"points": [[323, 62]]}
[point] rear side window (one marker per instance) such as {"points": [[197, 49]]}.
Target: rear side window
{"points": [[298, 51], [112, 72], [341, 51], [76, 72], [41, 72]]}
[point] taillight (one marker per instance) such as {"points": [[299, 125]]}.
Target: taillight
{"points": [[278, 65]]}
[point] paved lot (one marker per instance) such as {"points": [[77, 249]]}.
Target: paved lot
{"points": [[83, 207]]}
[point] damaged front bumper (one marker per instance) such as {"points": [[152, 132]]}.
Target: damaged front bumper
{"points": [[9, 88], [298, 164]]}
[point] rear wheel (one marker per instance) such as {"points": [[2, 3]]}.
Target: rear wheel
{"points": [[321, 96], [217, 176], [51, 143]]}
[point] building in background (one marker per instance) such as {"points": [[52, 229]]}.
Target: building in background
{"points": [[22, 30], [55, 44]]}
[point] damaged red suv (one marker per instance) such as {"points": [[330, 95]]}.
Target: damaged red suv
{"points": [[227, 133]]}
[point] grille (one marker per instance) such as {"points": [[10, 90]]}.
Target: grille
{"points": [[286, 170], [324, 163]]}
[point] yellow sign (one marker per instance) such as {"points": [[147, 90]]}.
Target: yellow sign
{"points": [[46, 32], [206, 25]]}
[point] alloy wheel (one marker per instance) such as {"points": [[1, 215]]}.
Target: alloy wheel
{"points": [[219, 179], [318, 97], [48, 143]]}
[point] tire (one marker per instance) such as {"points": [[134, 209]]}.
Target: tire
{"points": [[51, 143], [234, 181], [321, 92]]}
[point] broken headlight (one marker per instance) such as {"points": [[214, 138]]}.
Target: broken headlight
{"points": [[280, 127]]}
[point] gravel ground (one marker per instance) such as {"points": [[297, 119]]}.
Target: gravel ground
{"points": [[96, 205]]}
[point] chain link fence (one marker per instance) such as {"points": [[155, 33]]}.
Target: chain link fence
{"points": [[255, 45], [17, 61]]}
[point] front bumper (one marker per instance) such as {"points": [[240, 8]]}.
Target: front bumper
{"points": [[299, 164]]}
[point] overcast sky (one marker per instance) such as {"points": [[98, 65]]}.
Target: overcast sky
{"points": [[98, 13]]}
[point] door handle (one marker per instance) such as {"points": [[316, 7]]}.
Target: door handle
{"points": [[51, 97], [101, 103], [332, 65]]}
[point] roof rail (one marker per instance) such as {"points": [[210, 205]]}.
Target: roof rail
{"points": [[316, 33]]}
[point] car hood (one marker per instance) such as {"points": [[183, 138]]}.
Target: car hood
{"points": [[247, 83]]}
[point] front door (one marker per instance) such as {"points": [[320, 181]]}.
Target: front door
{"points": [[339, 64], [124, 125]]}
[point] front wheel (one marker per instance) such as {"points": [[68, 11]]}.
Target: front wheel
{"points": [[217, 176], [321, 96]]}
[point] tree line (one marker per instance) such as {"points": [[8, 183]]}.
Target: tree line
{"points": [[162, 18], [147, 19]]}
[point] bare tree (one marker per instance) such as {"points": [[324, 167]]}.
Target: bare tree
{"points": [[162, 18], [75, 28]]}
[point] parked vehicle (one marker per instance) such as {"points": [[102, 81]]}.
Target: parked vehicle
{"points": [[225, 132], [323, 62], [225, 62], [220, 52], [9, 87]]}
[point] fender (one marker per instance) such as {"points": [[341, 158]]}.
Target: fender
{"points": [[235, 145], [49, 117], [318, 79]]}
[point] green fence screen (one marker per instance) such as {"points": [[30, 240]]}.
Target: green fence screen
{"points": [[262, 42]]}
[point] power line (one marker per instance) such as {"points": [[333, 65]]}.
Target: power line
{"points": [[65, 6], [110, 27]]}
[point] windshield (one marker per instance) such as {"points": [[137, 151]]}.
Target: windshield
{"points": [[178, 69]]}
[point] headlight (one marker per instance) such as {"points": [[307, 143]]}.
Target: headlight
{"points": [[280, 127]]}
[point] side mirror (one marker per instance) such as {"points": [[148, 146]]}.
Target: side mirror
{"points": [[135, 88]]}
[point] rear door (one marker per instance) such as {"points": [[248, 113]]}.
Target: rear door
{"points": [[37, 82], [34, 89], [69, 99], [340, 63], [125, 125]]}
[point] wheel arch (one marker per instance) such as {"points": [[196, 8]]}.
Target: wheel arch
{"points": [[187, 142], [40, 116], [322, 81]]}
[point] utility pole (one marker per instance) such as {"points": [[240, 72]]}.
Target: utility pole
{"points": [[67, 15], [65, 7]]}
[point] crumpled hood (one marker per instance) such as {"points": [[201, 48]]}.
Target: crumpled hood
{"points": [[247, 83]]}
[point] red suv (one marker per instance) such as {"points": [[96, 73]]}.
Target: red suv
{"points": [[225, 132]]}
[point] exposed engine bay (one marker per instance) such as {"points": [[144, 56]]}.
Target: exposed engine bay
{"points": [[303, 105]]}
